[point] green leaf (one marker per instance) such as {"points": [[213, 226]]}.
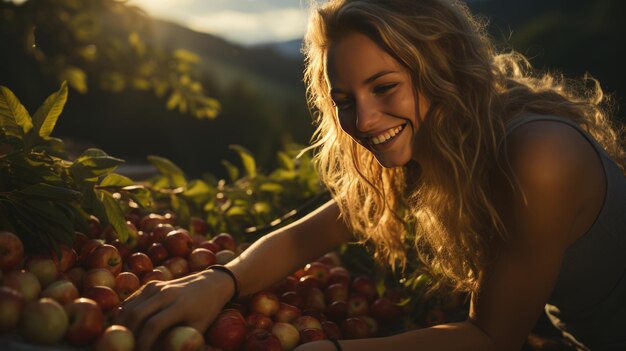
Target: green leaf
{"points": [[115, 179], [181, 208], [286, 161], [13, 112], [381, 287], [93, 163], [246, 158], [169, 169], [50, 192], [76, 77], [233, 171], [47, 115], [114, 214], [271, 187], [197, 188]]}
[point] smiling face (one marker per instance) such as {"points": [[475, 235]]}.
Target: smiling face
{"points": [[375, 100]]}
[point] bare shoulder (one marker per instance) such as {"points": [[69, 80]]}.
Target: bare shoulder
{"points": [[555, 163], [549, 148]]}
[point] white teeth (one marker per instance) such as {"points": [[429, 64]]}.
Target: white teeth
{"points": [[386, 135]]}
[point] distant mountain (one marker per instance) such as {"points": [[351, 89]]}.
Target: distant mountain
{"points": [[290, 48]]}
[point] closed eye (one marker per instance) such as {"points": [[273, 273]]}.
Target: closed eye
{"points": [[381, 89], [343, 104]]}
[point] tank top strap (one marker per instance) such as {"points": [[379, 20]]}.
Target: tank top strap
{"points": [[517, 121]]}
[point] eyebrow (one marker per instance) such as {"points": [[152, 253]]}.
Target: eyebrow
{"points": [[367, 80]]}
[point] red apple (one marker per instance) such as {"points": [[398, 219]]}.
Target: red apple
{"points": [[86, 321], [104, 296], [11, 304], [227, 331], [177, 265], [365, 286], [224, 256], [331, 329], [126, 283], [371, 324], [331, 259], [167, 274], [339, 275], [124, 249], [211, 246], [384, 310], [337, 311], [63, 291], [98, 277], [287, 334], [308, 335], [355, 328], [79, 240], [200, 259], [336, 292], [307, 283], [155, 274], [315, 300], [183, 338], [287, 313], [23, 282], [144, 240], [67, 259], [43, 268], [139, 263], [262, 341], [115, 338], [225, 241], [43, 322], [105, 256], [150, 221], [87, 248], [157, 253], [265, 302], [306, 322], [288, 284], [159, 233], [94, 227], [357, 305], [75, 275], [292, 298], [317, 314], [199, 226], [318, 270], [259, 321], [178, 243]]}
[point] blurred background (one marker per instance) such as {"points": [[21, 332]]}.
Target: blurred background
{"points": [[184, 79]]}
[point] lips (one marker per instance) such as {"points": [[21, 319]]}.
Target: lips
{"points": [[386, 136]]}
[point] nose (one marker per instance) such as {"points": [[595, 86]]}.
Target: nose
{"points": [[366, 115]]}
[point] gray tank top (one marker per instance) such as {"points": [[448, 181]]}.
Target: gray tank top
{"points": [[588, 303]]}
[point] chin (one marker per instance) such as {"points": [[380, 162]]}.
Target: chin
{"points": [[393, 162]]}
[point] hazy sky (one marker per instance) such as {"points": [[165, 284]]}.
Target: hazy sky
{"points": [[240, 21]]}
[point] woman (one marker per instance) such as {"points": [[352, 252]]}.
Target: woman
{"points": [[513, 184]]}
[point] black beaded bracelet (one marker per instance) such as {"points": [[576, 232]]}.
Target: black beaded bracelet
{"points": [[219, 267], [336, 343]]}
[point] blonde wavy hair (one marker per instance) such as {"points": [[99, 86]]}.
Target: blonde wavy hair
{"points": [[445, 216]]}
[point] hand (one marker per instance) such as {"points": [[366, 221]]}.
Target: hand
{"points": [[194, 300], [322, 345]]}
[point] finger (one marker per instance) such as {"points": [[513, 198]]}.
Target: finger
{"points": [[134, 317], [141, 294], [154, 326]]}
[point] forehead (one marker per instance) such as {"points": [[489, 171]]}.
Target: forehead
{"points": [[356, 57]]}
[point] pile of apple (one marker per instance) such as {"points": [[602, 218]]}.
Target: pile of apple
{"points": [[72, 298]]}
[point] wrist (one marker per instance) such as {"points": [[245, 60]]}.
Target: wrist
{"points": [[226, 280]]}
